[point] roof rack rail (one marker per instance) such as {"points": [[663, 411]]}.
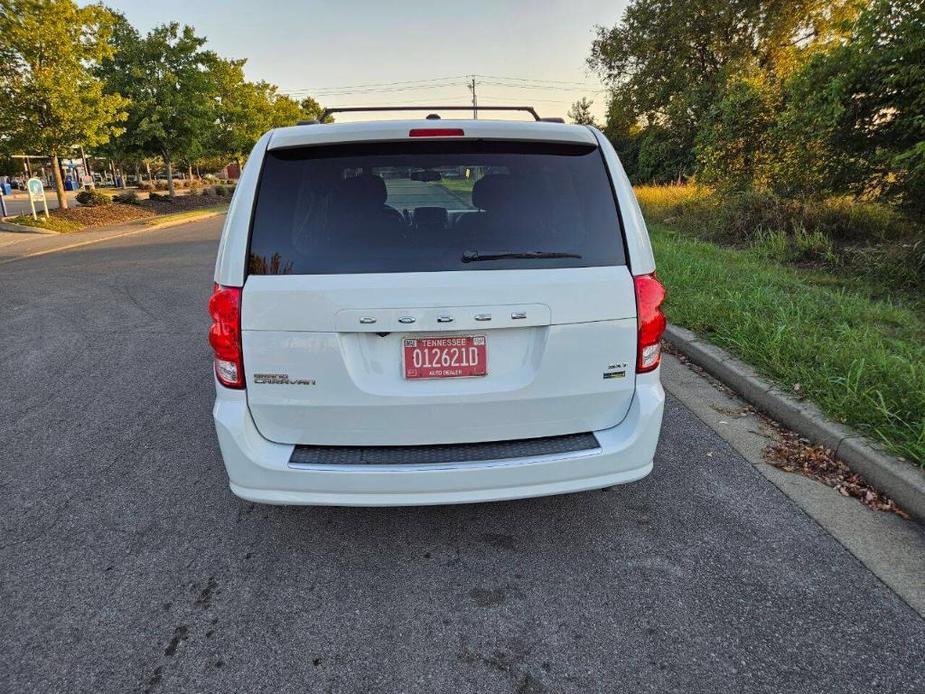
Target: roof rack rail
{"points": [[355, 109]]}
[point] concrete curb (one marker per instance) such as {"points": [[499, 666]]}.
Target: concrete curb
{"points": [[23, 229], [904, 482], [150, 225]]}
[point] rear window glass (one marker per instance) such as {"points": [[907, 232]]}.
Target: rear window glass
{"points": [[431, 206]]}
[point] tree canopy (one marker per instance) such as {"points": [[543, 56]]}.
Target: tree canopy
{"points": [[50, 101], [580, 112], [75, 77], [168, 80], [802, 97]]}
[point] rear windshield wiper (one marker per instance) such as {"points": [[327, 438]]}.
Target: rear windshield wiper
{"points": [[475, 256]]}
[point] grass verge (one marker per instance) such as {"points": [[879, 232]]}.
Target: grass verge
{"points": [[859, 357], [838, 235], [62, 226]]}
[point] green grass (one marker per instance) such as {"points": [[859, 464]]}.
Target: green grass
{"points": [[860, 358], [838, 235], [179, 216], [52, 223]]}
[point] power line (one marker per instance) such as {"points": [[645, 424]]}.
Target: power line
{"points": [[574, 90], [527, 79], [385, 91], [377, 84], [537, 101], [500, 80]]}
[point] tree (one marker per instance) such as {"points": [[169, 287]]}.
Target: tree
{"points": [[243, 110], [50, 100], [853, 117], [668, 61], [580, 112], [246, 110], [733, 143], [664, 157], [167, 77], [623, 131], [312, 110], [286, 110]]}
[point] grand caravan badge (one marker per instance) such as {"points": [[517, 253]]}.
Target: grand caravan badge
{"points": [[282, 380]]}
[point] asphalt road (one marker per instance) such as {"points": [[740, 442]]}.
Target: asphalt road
{"points": [[127, 565], [405, 194]]}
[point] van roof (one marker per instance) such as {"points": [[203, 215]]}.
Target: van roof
{"points": [[365, 131]]}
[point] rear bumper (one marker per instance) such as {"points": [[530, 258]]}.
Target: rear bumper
{"points": [[259, 470]]}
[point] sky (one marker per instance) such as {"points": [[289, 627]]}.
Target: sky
{"points": [[363, 53]]}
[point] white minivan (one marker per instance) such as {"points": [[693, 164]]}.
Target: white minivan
{"points": [[434, 311]]}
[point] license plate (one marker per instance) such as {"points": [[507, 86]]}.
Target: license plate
{"points": [[457, 356]]}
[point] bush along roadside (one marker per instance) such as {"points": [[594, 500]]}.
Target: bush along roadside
{"points": [[868, 240], [859, 357]]}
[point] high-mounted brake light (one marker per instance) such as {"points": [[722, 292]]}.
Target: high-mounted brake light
{"points": [[225, 335], [649, 297], [436, 132]]}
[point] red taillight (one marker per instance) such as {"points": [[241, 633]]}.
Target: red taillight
{"points": [[436, 132], [649, 297], [225, 335]]}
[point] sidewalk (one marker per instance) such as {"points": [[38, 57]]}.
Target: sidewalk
{"points": [[15, 245]]}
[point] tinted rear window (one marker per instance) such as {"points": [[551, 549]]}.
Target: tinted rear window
{"points": [[431, 206]]}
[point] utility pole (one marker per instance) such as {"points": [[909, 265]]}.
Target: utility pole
{"points": [[475, 101], [86, 163]]}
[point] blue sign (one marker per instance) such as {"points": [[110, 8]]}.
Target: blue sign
{"points": [[36, 193], [36, 189]]}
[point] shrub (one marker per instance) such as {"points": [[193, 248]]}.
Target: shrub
{"points": [[129, 197], [773, 245], [813, 246], [93, 198], [158, 196], [863, 238], [160, 185], [733, 144], [221, 191], [145, 185], [803, 246]]}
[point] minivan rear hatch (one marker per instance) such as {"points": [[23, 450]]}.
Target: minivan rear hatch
{"points": [[435, 290]]}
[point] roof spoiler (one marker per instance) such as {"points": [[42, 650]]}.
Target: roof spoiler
{"points": [[358, 109]]}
